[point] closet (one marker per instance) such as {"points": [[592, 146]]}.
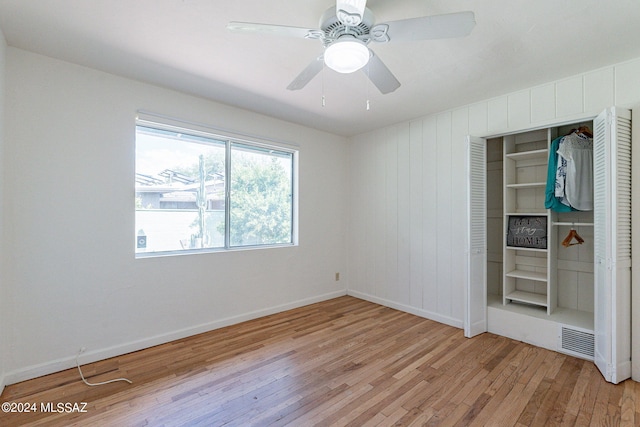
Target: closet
{"points": [[538, 269], [553, 276]]}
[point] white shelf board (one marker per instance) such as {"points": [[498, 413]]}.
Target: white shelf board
{"points": [[562, 315], [528, 297], [527, 155], [516, 248], [527, 185], [530, 275], [528, 212]]}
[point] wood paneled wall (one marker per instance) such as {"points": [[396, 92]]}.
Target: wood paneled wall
{"points": [[407, 230]]}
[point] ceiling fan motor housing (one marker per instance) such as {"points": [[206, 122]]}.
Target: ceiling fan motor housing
{"points": [[334, 29]]}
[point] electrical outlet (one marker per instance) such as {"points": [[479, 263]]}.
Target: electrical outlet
{"points": [[337, 277]]}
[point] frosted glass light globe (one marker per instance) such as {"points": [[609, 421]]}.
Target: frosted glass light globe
{"points": [[346, 55]]}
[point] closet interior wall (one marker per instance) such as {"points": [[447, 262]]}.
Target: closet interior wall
{"points": [[494, 221], [574, 273]]}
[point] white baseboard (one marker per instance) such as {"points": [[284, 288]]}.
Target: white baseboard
{"points": [[91, 356], [456, 323]]}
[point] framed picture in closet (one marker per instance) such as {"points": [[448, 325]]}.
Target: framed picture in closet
{"points": [[526, 231]]}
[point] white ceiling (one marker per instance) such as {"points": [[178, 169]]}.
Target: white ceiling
{"points": [[184, 45]]}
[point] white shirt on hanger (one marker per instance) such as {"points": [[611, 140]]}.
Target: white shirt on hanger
{"points": [[578, 152]]}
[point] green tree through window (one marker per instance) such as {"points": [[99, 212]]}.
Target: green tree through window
{"points": [[260, 199]]}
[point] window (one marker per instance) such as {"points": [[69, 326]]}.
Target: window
{"points": [[197, 191]]}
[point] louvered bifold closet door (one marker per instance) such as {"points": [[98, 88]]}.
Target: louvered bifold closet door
{"points": [[612, 243], [476, 289]]}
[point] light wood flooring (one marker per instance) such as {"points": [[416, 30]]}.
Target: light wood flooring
{"points": [[339, 362]]}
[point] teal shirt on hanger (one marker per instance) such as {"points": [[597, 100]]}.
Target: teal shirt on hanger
{"points": [[551, 201]]}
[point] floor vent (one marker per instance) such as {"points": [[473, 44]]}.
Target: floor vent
{"points": [[576, 342]]}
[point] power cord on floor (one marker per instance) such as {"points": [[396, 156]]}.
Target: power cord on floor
{"points": [[96, 384]]}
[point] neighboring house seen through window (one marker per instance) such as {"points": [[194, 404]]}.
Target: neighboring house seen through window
{"points": [[199, 192]]}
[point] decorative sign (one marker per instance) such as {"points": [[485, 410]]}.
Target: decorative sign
{"points": [[527, 232]]}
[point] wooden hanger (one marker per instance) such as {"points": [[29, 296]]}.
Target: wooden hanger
{"points": [[573, 234], [584, 130]]}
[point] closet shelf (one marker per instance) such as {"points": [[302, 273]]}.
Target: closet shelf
{"points": [[517, 248], [528, 212], [527, 155], [528, 297], [527, 185], [530, 275]]}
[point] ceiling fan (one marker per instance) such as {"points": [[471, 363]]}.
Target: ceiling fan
{"points": [[346, 31]]}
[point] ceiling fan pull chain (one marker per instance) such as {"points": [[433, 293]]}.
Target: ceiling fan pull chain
{"points": [[323, 68], [366, 86]]}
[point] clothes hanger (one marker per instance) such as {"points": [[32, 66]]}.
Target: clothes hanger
{"points": [[584, 130], [573, 234]]}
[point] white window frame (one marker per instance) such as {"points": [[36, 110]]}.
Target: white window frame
{"points": [[160, 122]]}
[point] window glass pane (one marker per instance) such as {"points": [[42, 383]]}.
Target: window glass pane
{"points": [[261, 196], [180, 188]]}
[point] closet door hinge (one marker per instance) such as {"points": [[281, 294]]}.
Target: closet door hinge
{"points": [[610, 264]]}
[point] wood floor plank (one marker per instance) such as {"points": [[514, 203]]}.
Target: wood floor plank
{"points": [[589, 397], [627, 407], [517, 400], [601, 406], [342, 362]]}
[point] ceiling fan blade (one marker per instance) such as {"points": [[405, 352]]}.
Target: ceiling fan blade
{"points": [[380, 75], [444, 26], [278, 30], [350, 12], [307, 74]]}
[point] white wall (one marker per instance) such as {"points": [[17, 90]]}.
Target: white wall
{"points": [[69, 190], [4, 305], [408, 183]]}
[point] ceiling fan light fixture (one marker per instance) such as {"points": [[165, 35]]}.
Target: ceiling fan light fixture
{"points": [[346, 55], [350, 12]]}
